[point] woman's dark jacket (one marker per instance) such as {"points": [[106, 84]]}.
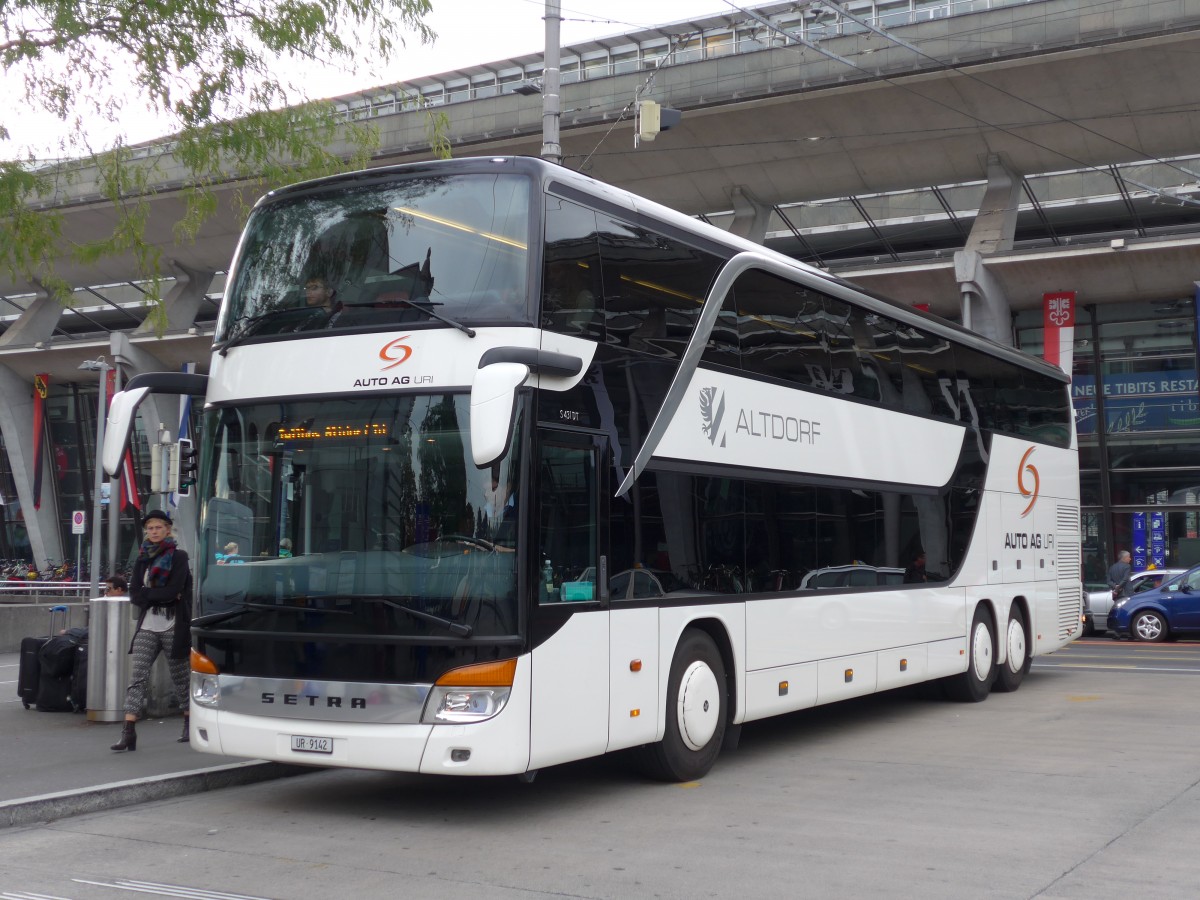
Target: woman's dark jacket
{"points": [[175, 595]]}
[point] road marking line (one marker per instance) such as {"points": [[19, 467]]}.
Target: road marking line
{"points": [[1085, 666], [1108, 655], [1134, 668], [166, 890]]}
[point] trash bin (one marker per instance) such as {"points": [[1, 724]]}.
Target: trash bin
{"points": [[109, 631]]}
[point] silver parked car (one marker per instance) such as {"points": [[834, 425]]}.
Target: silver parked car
{"points": [[1100, 599], [851, 576]]}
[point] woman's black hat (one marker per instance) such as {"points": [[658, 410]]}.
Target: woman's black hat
{"points": [[156, 514]]}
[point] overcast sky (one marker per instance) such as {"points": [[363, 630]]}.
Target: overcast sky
{"points": [[469, 32]]}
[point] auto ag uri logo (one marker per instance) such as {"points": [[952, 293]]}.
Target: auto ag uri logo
{"points": [[1027, 490], [712, 411], [395, 352]]}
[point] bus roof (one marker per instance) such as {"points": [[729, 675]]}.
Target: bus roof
{"points": [[560, 180]]}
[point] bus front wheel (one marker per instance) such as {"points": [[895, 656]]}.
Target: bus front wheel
{"points": [[697, 699], [974, 684]]}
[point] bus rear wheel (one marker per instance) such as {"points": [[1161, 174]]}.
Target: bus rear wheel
{"points": [[1010, 675], [697, 700], [974, 684]]}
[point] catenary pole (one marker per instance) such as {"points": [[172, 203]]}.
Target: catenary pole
{"points": [[551, 105]]}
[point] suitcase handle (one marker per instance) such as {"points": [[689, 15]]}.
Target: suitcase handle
{"points": [[62, 611]]}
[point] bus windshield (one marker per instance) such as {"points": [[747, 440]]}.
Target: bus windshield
{"points": [[380, 256], [355, 516]]}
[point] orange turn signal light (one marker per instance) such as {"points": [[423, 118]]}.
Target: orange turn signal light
{"points": [[489, 674], [202, 664]]}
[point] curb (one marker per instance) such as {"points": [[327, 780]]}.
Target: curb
{"points": [[48, 807]]}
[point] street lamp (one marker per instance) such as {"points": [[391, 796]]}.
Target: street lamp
{"points": [[97, 365]]}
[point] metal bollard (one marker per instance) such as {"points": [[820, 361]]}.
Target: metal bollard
{"points": [[109, 633]]}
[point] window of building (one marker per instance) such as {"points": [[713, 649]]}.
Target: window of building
{"points": [[625, 61]]}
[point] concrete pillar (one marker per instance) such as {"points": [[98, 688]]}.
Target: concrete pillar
{"points": [[996, 222], [36, 323], [985, 308], [16, 424], [182, 302], [750, 215]]}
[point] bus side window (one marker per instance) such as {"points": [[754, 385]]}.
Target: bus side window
{"points": [[780, 325], [848, 338], [571, 280], [654, 288]]}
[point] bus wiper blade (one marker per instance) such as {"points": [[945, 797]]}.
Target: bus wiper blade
{"points": [[428, 309], [226, 615], [244, 608], [455, 627], [250, 324]]}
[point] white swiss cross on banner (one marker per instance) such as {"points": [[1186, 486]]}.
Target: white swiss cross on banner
{"points": [[1058, 321]]}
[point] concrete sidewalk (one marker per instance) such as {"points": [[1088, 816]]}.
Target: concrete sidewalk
{"points": [[59, 764]]}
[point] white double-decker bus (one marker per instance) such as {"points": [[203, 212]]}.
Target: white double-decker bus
{"points": [[525, 469]]}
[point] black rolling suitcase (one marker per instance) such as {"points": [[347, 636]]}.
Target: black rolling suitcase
{"points": [[27, 673], [29, 670], [56, 664], [78, 694]]}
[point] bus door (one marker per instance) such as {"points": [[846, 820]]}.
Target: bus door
{"points": [[569, 622]]}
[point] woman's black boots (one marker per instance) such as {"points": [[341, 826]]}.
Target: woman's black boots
{"points": [[128, 739], [186, 737]]}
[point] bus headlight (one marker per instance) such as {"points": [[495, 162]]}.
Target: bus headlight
{"points": [[457, 705], [205, 689], [470, 694]]}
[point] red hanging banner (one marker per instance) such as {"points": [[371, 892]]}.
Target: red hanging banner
{"points": [[1058, 322], [41, 387]]}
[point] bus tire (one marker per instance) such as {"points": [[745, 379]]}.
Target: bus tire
{"points": [[1018, 657], [973, 685], [697, 704]]}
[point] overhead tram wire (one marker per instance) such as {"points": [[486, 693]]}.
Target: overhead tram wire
{"points": [[946, 130], [1016, 22], [832, 4], [604, 20], [642, 88], [884, 33], [1144, 157], [752, 16]]}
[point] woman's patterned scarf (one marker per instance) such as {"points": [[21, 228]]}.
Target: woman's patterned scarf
{"points": [[162, 554]]}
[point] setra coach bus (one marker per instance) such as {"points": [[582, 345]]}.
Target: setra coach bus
{"points": [[524, 469]]}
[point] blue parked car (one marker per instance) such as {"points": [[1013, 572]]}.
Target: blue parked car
{"points": [[1170, 611]]}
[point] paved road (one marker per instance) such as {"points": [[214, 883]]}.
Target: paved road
{"points": [[1181, 657], [1084, 784]]}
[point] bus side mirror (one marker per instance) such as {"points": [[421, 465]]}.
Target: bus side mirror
{"points": [[493, 397], [120, 421]]}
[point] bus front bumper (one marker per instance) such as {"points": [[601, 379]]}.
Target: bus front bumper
{"points": [[497, 746]]}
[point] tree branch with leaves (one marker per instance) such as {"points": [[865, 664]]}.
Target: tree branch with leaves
{"points": [[213, 71]]}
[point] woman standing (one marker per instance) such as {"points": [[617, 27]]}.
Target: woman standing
{"points": [[160, 588]]}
